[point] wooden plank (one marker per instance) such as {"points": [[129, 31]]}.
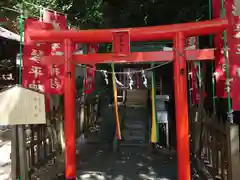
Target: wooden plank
{"points": [[14, 154], [22, 153], [233, 152]]}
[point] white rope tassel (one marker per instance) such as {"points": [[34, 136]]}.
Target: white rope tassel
{"points": [[144, 78], [118, 82], [105, 75], [130, 81]]}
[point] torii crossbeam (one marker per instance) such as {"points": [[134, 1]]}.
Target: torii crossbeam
{"points": [[122, 54], [135, 57]]}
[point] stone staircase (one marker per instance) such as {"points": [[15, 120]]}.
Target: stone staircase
{"points": [[135, 128], [135, 121]]}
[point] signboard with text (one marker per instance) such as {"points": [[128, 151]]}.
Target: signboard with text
{"points": [[121, 43], [8, 76], [35, 74], [14, 112]]}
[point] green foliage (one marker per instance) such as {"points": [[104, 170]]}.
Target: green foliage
{"points": [[85, 14]]}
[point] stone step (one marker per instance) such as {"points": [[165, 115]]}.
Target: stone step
{"points": [[133, 135], [137, 115], [134, 143], [142, 139], [134, 132], [134, 125], [135, 120]]}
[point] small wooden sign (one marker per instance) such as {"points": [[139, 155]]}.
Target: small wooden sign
{"points": [[19, 106], [121, 43], [8, 76]]}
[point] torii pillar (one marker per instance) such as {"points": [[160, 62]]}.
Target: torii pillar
{"points": [[181, 107]]}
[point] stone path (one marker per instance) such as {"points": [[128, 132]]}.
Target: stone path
{"points": [[98, 162], [132, 163]]}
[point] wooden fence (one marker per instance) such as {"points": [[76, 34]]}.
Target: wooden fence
{"points": [[215, 146], [36, 146]]}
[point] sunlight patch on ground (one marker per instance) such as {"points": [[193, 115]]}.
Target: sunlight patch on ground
{"points": [[5, 161], [5, 150], [151, 177], [96, 175]]}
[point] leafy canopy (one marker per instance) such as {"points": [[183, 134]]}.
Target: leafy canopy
{"points": [[86, 14]]}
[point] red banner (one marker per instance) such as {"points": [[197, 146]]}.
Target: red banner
{"points": [[35, 73], [56, 72], [235, 66], [89, 79], [192, 44], [233, 43], [194, 83], [219, 54], [234, 53], [89, 86]]}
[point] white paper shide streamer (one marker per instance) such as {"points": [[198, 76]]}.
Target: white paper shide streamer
{"points": [[144, 78], [118, 82], [105, 75], [130, 81]]}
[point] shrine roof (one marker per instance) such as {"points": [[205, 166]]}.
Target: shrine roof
{"points": [[5, 33]]}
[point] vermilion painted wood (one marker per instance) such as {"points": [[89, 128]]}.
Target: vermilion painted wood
{"points": [[135, 57], [153, 33], [181, 108], [69, 114]]}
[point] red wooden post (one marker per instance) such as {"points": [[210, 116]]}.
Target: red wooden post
{"points": [[69, 113], [181, 105]]}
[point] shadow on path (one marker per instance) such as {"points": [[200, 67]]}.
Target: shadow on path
{"points": [[131, 163]]}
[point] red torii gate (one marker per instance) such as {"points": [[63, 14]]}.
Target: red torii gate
{"points": [[176, 32]]}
